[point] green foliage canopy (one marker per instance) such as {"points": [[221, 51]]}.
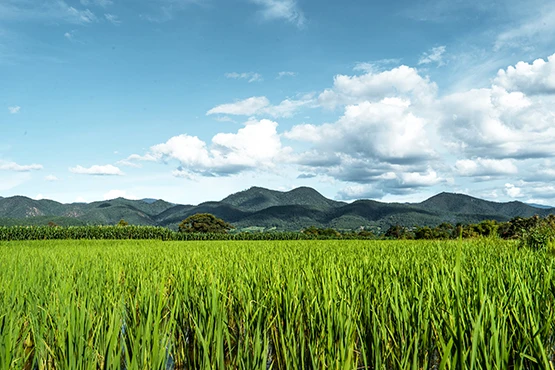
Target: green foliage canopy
{"points": [[204, 223]]}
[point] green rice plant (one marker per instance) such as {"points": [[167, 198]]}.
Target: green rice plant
{"points": [[293, 304]]}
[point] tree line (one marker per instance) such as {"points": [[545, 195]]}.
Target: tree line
{"points": [[533, 231]]}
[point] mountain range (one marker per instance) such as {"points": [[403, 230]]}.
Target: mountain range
{"points": [[263, 209]]}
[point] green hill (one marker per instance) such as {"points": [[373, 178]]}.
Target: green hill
{"points": [[260, 208]]}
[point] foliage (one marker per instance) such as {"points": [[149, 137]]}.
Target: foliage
{"points": [[325, 232], [539, 237], [279, 305], [122, 223], [398, 232], [204, 223]]}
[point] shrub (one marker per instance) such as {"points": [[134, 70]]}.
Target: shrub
{"points": [[538, 237]]}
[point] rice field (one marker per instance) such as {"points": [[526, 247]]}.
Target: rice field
{"points": [[140, 304]]}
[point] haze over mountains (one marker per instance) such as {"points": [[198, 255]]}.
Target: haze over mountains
{"points": [[259, 208]]}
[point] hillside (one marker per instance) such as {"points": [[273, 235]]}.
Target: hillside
{"points": [[270, 209], [256, 199]]}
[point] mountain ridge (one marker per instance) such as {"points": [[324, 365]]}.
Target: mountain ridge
{"points": [[269, 209]]}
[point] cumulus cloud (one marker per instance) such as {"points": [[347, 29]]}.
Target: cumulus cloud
{"points": [[401, 81], [537, 77], [400, 183], [287, 10], [513, 191], [386, 130], [485, 167], [249, 76], [396, 135], [496, 123], [435, 55], [260, 106], [106, 170], [14, 110], [257, 145], [12, 166]]}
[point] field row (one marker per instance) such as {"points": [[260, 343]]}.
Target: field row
{"points": [[283, 305]]}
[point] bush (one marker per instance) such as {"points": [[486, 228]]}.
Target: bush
{"points": [[538, 237]]}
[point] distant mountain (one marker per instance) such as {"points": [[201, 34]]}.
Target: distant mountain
{"points": [[97, 213], [541, 206], [256, 199], [149, 200], [270, 209]]}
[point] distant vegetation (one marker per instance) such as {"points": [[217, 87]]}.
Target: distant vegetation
{"points": [[534, 232], [204, 223]]}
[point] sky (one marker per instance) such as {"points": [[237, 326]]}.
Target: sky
{"points": [[192, 100]]}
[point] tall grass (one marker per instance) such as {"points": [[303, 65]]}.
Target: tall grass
{"points": [[482, 304]]}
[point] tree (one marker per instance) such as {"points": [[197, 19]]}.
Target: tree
{"points": [[204, 223], [424, 233], [52, 224], [398, 232], [122, 222]]}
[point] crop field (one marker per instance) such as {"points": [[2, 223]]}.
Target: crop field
{"points": [[482, 304]]}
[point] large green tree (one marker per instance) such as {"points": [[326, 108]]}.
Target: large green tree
{"points": [[204, 223]]}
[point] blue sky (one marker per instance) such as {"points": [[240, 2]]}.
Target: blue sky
{"points": [[190, 100]]}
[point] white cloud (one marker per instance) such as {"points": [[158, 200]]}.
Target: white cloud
{"points": [[360, 191], [532, 30], [375, 66], [256, 146], [260, 106], [435, 55], [115, 193], [496, 123], [70, 35], [51, 178], [112, 18], [12, 166], [281, 9], [401, 81], [80, 199], [245, 107], [286, 74], [250, 76], [513, 191], [106, 170], [14, 110], [38, 197], [386, 130], [535, 78], [485, 167]]}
